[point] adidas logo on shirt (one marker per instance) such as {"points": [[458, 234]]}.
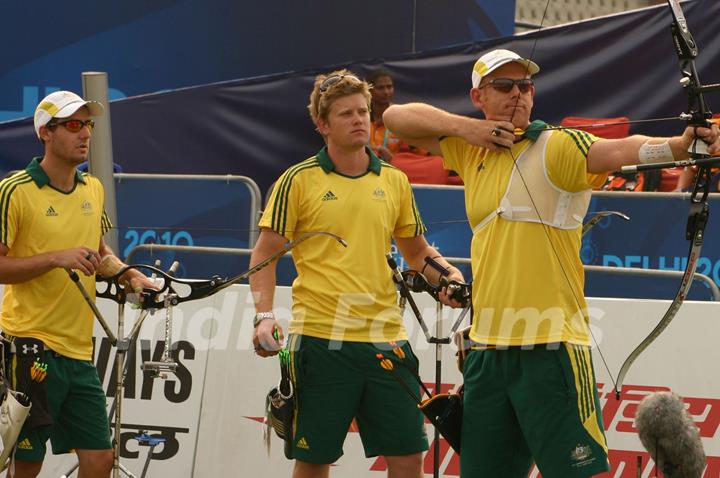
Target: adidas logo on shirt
{"points": [[302, 442], [329, 196], [51, 212]]}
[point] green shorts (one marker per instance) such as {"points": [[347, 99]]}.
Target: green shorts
{"points": [[524, 405], [76, 403], [335, 385]]}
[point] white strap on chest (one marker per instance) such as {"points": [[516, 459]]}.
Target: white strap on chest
{"points": [[532, 197]]}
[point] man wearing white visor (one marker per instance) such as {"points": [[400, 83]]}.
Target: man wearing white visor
{"points": [[52, 220], [530, 390]]}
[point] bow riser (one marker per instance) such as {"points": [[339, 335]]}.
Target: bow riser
{"points": [[190, 289]]}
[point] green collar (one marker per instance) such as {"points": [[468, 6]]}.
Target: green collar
{"points": [[534, 129], [38, 174], [327, 165]]}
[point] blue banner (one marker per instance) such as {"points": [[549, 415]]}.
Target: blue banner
{"points": [[653, 238], [150, 46]]}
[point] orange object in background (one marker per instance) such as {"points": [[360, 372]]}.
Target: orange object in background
{"points": [[609, 128], [424, 169]]}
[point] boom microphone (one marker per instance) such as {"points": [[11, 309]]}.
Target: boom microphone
{"points": [[668, 433]]}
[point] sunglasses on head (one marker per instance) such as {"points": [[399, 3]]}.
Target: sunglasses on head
{"points": [[73, 125], [505, 85], [333, 80]]}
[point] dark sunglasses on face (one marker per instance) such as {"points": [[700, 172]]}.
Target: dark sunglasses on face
{"points": [[334, 79], [505, 85], [73, 125]]}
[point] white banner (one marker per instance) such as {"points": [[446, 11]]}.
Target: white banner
{"points": [[210, 412]]}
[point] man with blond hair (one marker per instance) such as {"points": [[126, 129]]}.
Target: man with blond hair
{"points": [[344, 302]]}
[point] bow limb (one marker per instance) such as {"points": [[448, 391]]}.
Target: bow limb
{"points": [[699, 113], [286, 248], [193, 289], [698, 219]]}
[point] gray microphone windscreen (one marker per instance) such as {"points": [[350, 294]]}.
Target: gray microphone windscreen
{"points": [[668, 433]]}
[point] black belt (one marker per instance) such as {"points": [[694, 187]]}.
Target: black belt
{"points": [[33, 346]]}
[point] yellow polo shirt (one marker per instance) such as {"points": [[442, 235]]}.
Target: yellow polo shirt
{"points": [[36, 218], [344, 293], [524, 292]]}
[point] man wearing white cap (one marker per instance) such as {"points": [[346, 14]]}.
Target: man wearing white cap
{"points": [[52, 219], [530, 392]]}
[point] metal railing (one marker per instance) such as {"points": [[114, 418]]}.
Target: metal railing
{"points": [[255, 194], [636, 271], [202, 249], [631, 271]]}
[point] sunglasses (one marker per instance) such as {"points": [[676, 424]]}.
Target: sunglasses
{"points": [[333, 80], [73, 125], [505, 85]]}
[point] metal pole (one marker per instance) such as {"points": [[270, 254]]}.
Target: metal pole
{"points": [[414, 27], [119, 378], [91, 302], [95, 87], [438, 385]]}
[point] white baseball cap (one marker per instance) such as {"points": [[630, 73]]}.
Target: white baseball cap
{"points": [[493, 60], [62, 104]]}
